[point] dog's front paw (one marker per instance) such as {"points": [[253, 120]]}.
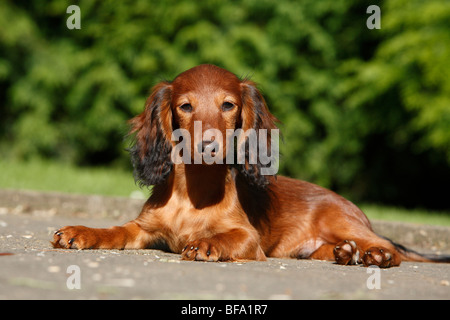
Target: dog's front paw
{"points": [[76, 237], [200, 250]]}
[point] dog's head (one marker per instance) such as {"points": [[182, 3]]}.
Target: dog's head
{"points": [[200, 109]]}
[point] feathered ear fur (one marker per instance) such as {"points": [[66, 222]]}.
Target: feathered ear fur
{"points": [[255, 115], [151, 149]]}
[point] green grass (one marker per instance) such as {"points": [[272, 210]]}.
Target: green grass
{"points": [[420, 216], [53, 176]]}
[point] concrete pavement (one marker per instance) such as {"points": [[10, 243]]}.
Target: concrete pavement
{"points": [[31, 269]]}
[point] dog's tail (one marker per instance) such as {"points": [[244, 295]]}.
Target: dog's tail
{"points": [[411, 255]]}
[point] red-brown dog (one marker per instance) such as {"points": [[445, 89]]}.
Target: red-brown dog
{"points": [[229, 212]]}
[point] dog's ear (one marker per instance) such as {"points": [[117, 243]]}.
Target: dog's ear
{"points": [[151, 149], [255, 115]]}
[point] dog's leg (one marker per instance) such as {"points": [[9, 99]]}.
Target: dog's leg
{"points": [[324, 252], [128, 236], [378, 252], [347, 252], [236, 244]]}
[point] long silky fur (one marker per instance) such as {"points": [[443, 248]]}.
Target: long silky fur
{"points": [[260, 118], [151, 149]]}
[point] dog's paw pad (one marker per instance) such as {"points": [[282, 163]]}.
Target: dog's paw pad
{"points": [[377, 256], [346, 252]]}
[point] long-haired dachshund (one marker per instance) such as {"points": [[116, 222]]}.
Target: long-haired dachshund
{"points": [[229, 212]]}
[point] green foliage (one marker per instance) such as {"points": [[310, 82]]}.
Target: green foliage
{"points": [[354, 103]]}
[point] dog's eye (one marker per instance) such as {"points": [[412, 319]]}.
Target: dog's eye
{"points": [[226, 106], [186, 107]]}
